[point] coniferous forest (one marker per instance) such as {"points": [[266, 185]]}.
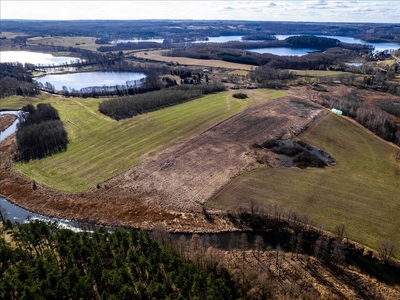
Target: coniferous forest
{"points": [[41, 132], [53, 263], [127, 107]]}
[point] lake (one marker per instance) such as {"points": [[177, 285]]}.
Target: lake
{"points": [[78, 81], [282, 51], [222, 39], [160, 41], [36, 58], [350, 40]]}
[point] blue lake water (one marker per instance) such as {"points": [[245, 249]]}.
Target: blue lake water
{"points": [[36, 58], [282, 51], [350, 40], [222, 39], [90, 79], [160, 41]]}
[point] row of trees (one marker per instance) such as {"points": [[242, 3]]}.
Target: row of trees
{"points": [[15, 79], [127, 107], [266, 76], [311, 61], [45, 262], [373, 118], [40, 132]]}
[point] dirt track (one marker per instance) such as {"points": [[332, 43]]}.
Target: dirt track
{"points": [[186, 175]]}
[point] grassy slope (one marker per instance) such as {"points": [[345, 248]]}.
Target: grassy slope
{"points": [[101, 148], [362, 190]]}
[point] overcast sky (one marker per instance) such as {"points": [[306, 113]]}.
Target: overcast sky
{"points": [[278, 10]]}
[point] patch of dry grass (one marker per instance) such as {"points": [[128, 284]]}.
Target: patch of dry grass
{"points": [[361, 191]]}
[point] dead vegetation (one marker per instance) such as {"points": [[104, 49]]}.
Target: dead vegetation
{"points": [[186, 175], [6, 120]]}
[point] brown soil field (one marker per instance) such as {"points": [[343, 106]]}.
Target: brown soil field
{"points": [[186, 175], [6, 120]]}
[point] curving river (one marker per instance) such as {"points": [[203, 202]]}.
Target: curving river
{"points": [[12, 128]]}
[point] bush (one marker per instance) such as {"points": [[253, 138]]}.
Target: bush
{"points": [[240, 96], [288, 150], [270, 144], [306, 159]]}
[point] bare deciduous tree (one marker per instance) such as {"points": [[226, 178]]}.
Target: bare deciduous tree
{"points": [[339, 230], [386, 250]]}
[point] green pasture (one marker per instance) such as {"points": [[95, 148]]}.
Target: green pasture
{"points": [[361, 191], [101, 148]]}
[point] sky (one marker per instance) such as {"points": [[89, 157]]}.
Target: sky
{"points": [[375, 11]]}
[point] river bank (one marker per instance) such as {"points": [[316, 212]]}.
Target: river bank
{"points": [[6, 120]]}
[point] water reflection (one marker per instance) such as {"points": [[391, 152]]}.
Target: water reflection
{"points": [[36, 58]]}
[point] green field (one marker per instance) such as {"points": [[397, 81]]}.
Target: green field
{"points": [[362, 190], [101, 148]]}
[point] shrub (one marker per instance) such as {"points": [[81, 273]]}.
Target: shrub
{"points": [[306, 159], [240, 96]]}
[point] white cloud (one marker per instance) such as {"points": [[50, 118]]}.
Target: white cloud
{"points": [[278, 10]]}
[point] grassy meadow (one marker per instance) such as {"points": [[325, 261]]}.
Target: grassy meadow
{"points": [[101, 147], [361, 191]]}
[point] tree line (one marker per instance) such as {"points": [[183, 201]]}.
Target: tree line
{"points": [[372, 117], [126, 29], [16, 79], [265, 76], [129, 106], [40, 132], [42, 260], [311, 61]]}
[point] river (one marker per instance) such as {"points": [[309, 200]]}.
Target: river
{"points": [[12, 128]]}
